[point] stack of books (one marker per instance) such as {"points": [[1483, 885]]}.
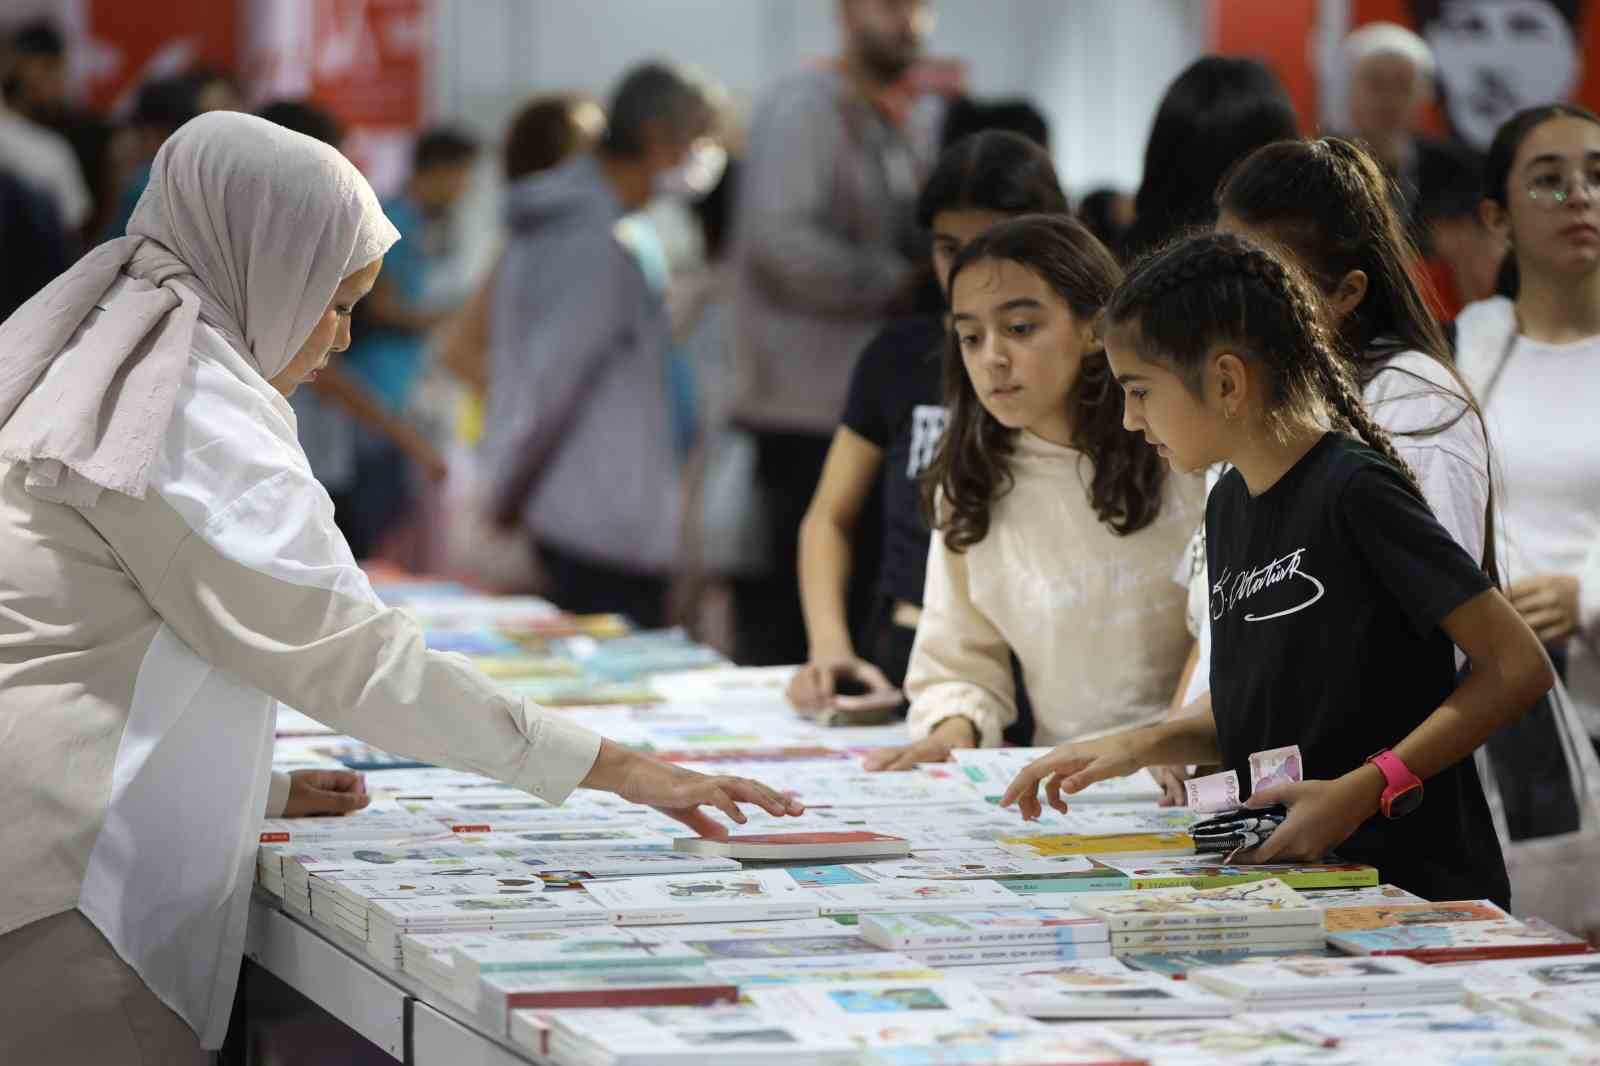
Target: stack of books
{"points": [[735, 1036], [1258, 915], [753, 895], [972, 938], [1101, 989], [1459, 931], [500, 994], [1331, 983], [556, 950], [389, 919]]}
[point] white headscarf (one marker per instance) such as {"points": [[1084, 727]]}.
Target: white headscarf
{"points": [[246, 226]]}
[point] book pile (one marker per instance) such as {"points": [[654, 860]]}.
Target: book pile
{"points": [[906, 920], [1445, 932], [1258, 915], [1330, 983], [974, 938]]}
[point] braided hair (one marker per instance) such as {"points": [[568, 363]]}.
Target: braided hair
{"points": [[1219, 289]]}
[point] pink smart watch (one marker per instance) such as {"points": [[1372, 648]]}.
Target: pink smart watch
{"points": [[1402, 792]]}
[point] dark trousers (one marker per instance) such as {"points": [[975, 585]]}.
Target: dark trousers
{"points": [[378, 500], [584, 586], [771, 630]]}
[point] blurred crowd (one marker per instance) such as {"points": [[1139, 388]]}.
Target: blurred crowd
{"points": [[633, 408]]}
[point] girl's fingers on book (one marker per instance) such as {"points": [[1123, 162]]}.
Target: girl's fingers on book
{"points": [[699, 821]]}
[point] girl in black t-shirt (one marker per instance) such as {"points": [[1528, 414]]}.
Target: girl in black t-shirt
{"points": [[893, 420], [1336, 598]]}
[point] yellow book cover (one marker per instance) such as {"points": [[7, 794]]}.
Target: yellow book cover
{"points": [[1127, 844]]}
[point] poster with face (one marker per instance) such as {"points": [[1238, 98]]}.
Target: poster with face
{"points": [[1496, 57]]}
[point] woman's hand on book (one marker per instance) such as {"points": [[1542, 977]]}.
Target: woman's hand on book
{"points": [[681, 793], [1072, 768], [1322, 815]]}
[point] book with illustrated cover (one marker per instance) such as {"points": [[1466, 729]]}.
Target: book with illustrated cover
{"points": [[876, 966], [993, 954], [991, 770], [1345, 919], [773, 929], [550, 950], [716, 1036], [900, 895], [1347, 1027], [778, 946], [782, 847], [1073, 872], [1321, 979], [1375, 896], [358, 827], [873, 1003], [1257, 903], [752, 895], [1230, 1040], [1572, 1008], [501, 993], [550, 908], [898, 932], [1197, 873], [1460, 941], [1061, 994], [1179, 964], [1503, 982], [357, 893], [1031, 844]]}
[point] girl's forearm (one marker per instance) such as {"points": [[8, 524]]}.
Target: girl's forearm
{"points": [[824, 583]]}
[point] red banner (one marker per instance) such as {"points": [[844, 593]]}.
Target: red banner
{"points": [[128, 44]]}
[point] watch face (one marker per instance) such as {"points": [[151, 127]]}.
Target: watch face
{"points": [[1404, 803]]}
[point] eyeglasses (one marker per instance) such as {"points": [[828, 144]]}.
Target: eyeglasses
{"points": [[1553, 190]]}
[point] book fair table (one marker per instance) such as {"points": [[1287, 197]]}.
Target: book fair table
{"points": [[906, 919]]}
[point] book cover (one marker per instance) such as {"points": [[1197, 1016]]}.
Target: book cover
{"points": [[1066, 994], [1178, 964], [501, 993], [872, 1002], [674, 899], [734, 1035], [354, 828], [359, 892], [1352, 918], [980, 929], [1069, 844], [899, 895], [1320, 979], [1445, 1020], [1056, 1048], [875, 966], [991, 770], [552, 908], [1461, 941], [1256, 903], [552, 950], [779, 946], [780, 847], [1375, 896], [1509, 980], [1196, 873]]}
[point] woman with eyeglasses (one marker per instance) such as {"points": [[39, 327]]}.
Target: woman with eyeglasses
{"points": [[1532, 355]]}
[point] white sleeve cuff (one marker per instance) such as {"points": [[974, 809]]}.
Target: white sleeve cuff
{"points": [[278, 795], [936, 704], [561, 756]]}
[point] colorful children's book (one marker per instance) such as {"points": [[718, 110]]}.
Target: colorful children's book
{"points": [[1179, 964], [1375, 896], [901, 932], [1070, 844], [992, 954], [552, 950], [1257, 903], [991, 770], [903, 896], [1450, 931], [1298, 938], [874, 966]]}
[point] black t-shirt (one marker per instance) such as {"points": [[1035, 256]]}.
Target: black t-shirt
{"points": [[895, 402], [1326, 597]]}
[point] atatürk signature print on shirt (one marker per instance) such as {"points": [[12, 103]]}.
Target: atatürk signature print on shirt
{"points": [[1232, 589]]}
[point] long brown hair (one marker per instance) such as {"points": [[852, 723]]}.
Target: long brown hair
{"points": [[972, 468]]}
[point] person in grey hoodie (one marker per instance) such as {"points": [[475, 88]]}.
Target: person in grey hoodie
{"points": [[577, 436]]}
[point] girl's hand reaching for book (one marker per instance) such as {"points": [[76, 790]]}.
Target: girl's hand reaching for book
{"points": [[948, 735], [1072, 768], [1322, 815]]}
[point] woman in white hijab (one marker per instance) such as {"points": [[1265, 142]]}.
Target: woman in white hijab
{"points": [[169, 570]]}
